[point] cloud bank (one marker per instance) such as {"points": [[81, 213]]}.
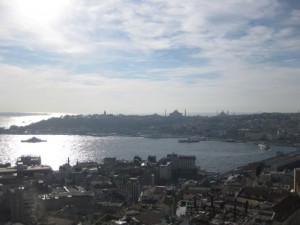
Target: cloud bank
{"points": [[130, 56]]}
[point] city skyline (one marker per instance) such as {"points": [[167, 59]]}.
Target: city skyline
{"points": [[147, 56]]}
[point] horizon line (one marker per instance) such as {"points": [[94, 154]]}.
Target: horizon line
{"points": [[227, 112]]}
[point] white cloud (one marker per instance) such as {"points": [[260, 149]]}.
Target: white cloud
{"points": [[53, 89], [295, 17], [90, 28], [238, 40]]}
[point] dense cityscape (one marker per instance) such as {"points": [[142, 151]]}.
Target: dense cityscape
{"points": [[149, 112], [170, 190]]}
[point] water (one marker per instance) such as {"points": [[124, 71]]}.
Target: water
{"points": [[212, 156], [7, 121]]}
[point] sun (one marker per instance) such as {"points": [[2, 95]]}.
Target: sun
{"points": [[37, 12]]}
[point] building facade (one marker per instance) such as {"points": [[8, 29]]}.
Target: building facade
{"points": [[23, 205]]}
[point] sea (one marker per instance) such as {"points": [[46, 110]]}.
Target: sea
{"points": [[212, 156]]}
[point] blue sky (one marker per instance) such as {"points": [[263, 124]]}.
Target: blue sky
{"points": [[142, 57]]}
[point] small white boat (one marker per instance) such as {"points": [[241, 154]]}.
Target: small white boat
{"points": [[264, 147]]}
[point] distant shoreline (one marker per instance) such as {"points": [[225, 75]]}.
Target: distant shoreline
{"points": [[16, 114], [271, 129]]}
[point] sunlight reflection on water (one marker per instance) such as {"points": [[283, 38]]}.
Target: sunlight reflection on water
{"points": [[7, 121], [211, 155]]}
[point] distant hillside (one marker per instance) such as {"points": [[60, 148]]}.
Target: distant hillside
{"points": [[264, 126]]}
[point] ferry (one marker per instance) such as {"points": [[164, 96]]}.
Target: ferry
{"points": [[33, 140], [189, 140]]}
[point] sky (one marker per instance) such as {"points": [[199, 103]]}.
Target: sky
{"points": [[144, 57]]}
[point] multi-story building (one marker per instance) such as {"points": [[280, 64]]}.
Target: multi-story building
{"points": [[131, 185], [187, 162], [165, 171], [182, 161], [23, 205], [152, 158], [30, 160], [296, 180], [174, 159], [109, 161], [61, 196]]}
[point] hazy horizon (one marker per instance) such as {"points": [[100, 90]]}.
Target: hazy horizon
{"points": [[2, 113], [143, 57]]}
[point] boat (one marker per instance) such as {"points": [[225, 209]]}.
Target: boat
{"points": [[264, 147], [229, 140], [33, 140], [189, 140], [153, 136]]}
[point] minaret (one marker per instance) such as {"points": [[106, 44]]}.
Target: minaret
{"points": [[184, 112], [68, 161]]}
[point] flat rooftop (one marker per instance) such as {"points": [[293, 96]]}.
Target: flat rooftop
{"points": [[28, 169]]}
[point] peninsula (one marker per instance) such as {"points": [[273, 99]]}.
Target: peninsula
{"points": [[281, 128]]}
